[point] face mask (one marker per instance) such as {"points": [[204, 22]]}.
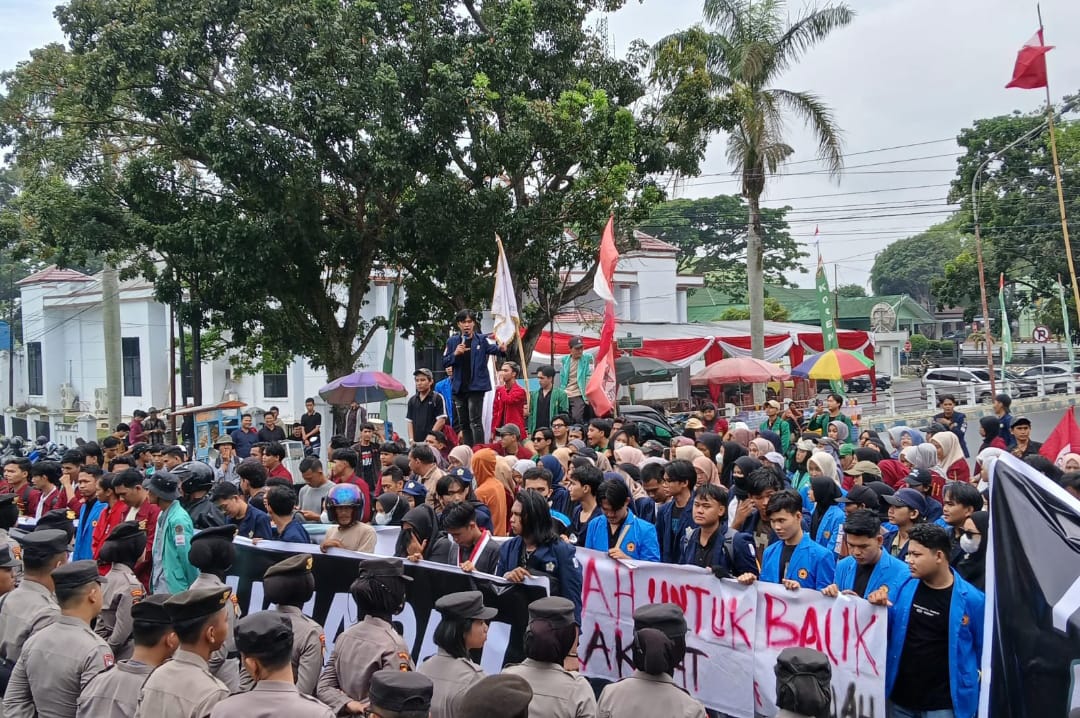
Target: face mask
{"points": [[619, 444], [970, 545], [382, 519]]}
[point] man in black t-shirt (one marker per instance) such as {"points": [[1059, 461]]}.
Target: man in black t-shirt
{"points": [[270, 431], [369, 466], [311, 423], [426, 410]]}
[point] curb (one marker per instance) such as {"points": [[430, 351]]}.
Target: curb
{"points": [[1019, 407]]}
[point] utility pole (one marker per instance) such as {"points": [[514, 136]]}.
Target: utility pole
{"points": [[114, 375], [836, 293]]}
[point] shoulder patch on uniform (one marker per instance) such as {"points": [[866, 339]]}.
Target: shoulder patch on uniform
{"points": [[136, 594], [16, 551], [310, 563], [178, 536], [71, 515], [142, 525], [109, 660]]}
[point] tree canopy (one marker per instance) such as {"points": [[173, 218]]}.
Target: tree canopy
{"points": [[851, 290], [909, 266], [265, 162], [711, 233], [774, 312]]}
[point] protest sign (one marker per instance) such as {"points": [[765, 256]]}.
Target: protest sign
{"points": [[735, 634]]}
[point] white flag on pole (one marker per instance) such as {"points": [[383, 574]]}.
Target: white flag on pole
{"points": [[504, 309]]}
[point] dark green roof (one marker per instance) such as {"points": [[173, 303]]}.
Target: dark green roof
{"points": [[707, 304]]}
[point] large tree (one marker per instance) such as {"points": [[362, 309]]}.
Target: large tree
{"points": [[749, 45], [910, 265], [263, 161], [711, 235]]}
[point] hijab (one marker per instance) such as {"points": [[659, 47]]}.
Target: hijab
{"points": [[563, 455], [553, 465], [950, 448], [713, 442], [972, 566], [629, 455], [827, 464], [687, 453], [732, 452], [893, 472], [682, 441], [773, 438], [708, 467], [826, 492], [926, 453], [763, 446], [747, 465], [424, 525], [504, 474], [865, 453], [842, 431], [1065, 459], [483, 466], [463, 454], [395, 506]]}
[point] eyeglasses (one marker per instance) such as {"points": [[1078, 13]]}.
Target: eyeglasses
{"points": [[560, 425], [971, 534]]}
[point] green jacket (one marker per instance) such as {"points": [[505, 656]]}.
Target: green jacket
{"points": [[560, 404], [172, 541], [584, 371], [821, 424], [782, 428]]}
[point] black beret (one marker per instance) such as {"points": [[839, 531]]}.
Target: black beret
{"points": [[6, 559], [76, 573], [383, 567], [124, 531], [465, 604], [264, 632], [57, 519], [222, 533], [151, 609], [47, 542], [292, 566], [7, 499], [556, 610], [665, 617], [494, 697], [400, 691], [197, 603]]}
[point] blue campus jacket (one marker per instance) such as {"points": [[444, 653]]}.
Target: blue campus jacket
{"points": [[891, 572], [639, 542], [557, 560], [294, 532], [481, 347], [84, 535], [742, 559], [812, 565], [965, 641], [443, 389], [671, 545], [829, 528]]}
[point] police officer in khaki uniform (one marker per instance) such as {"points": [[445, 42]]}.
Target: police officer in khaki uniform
{"points": [[289, 585], [212, 553], [265, 642], [115, 693], [371, 644], [184, 687], [557, 693], [122, 590], [31, 606], [659, 646], [59, 660], [395, 692], [463, 628], [503, 695]]}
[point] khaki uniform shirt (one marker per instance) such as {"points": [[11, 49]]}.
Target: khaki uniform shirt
{"points": [[121, 591], [271, 699], [225, 661], [16, 553], [557, 693], [358, 537], [183, 687], [642, 694], [115, 693], [56, 665], [451, 677], [24, 612], [309, 645], [362, 649]]}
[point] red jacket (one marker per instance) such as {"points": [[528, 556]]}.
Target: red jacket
{"points": [[280, 472], [109, 519], [147, 516], [55, 500], [509, 408]]}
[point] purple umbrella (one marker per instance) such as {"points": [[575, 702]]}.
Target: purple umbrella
{"points": [[363, 387]]}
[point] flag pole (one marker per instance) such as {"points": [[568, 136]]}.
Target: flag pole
{"points": [[524, 366], [1060, 191]]}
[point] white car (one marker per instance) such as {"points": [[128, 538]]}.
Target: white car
{"points": [[957, 379], [1055, 376]]}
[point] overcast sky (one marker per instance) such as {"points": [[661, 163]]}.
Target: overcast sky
{"points": [[905, 72]]}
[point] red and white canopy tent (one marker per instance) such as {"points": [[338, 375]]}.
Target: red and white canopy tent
{"points": [[683, 344]]}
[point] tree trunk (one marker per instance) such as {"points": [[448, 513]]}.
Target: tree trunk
{"points": [[755, 285]]}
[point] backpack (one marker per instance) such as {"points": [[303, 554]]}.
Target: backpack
{"points": [[803, 682]]}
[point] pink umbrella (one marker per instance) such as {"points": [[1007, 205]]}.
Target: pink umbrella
{"points": [[739, 370], [363, 387]]}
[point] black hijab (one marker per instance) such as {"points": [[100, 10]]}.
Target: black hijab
{"points": [[746, 464], [972, 566], [733, 451], [424, 525], [991, 426], [714, 442], [823, 501]]}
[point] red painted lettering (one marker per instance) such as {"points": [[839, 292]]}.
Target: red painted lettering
{"points": [[593, 584], [735, 619], [828, 636], [697, 593], [810, 635], [860, 643], [778, 632], [622, 592], [847, 637]]}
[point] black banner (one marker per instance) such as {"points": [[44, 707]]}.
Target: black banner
{"points": [[333, 606], [1032, 645]]}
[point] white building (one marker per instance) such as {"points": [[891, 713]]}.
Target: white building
{"points": [[64, 368]]}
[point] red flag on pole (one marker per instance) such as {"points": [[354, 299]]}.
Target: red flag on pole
{"points": [[602, 387], [1030, 70], [1064, 439]]}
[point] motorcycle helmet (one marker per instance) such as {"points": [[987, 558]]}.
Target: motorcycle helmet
{"points": [[193, 476], [345, 495], [41, 440], [17, 442]]}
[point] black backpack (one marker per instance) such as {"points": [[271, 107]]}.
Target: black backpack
{"points": [[804, 682]]}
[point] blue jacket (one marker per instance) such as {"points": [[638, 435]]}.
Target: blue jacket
{"points": [[891, 572], [443, 388], [480, 348], [557, 560], [255, 524], [829, 528], [294, 532], [933, 509], [560, 500], [965, 641], [812, 565], [638, 543], [742, 559], [84, 535], [671, 545]]}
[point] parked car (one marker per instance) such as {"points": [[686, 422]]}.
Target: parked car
{"points": [[651, 424], [858, 384], [1056, 376], [1021, 387], [957, 379]]}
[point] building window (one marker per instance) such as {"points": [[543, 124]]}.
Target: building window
{"points": [[275, 386], [34, 369], [132, 366]]}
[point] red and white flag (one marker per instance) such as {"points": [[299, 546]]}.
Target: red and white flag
{"points": [[1064, 439], [602, 387], [1030, 70]]}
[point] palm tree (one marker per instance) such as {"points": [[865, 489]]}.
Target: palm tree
{"points": [[746, 48]]}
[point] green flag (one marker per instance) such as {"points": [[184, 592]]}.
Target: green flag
{"points": [[1065, 322], [1006, 331], [828, 320]]}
